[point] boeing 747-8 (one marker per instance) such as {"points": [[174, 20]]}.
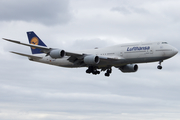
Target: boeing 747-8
{"points": [[124, 56]]}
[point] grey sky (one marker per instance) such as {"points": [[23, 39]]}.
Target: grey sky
{"points": [[41, 11], [30, 90]]}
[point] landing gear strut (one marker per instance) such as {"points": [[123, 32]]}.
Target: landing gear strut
{"points": [[159, 66], [108, 72]]}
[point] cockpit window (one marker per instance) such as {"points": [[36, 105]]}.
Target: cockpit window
{"points": [[164, 43]]}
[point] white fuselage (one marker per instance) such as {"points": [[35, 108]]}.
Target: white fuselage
{"points": [[124, 54]]}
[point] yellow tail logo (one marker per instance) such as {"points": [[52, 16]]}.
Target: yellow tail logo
{"points": [[34, 41]]}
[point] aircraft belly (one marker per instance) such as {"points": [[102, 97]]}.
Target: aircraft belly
{"points": [[63, 62], [141, 60], [130, 61]]}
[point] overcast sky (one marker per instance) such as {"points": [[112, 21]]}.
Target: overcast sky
{"points": [[35, 91]]}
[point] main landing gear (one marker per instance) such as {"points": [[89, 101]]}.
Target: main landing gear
{"points": [[108, 72], [159, 66], [94, 71]]}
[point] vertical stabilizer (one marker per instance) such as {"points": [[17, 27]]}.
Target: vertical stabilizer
{"points": [[34, 39]]}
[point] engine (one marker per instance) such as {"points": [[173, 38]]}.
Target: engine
{"points": [[129, 68], [57, 53], [91, 60]]}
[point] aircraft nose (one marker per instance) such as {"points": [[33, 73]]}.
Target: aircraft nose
{"points": [[175, 51]]}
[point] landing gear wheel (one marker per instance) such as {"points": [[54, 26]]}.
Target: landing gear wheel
{"points": [[159, 67], [107, 74], [92, 70], [98, 72], [88, 71]]}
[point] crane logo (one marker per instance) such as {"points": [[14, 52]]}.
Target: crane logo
{"points": [[34, 41]]}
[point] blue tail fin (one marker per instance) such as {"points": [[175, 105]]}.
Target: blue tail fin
{"points": [[34, 39]]}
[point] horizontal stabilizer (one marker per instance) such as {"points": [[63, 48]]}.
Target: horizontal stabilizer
{"points": [[26, 55]]}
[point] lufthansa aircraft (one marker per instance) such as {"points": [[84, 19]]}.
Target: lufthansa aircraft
{"points": [[124, 56]]}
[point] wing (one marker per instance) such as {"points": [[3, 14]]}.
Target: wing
{"points": [[44, 49], [76, 58]]}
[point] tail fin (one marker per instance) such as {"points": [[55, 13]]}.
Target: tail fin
{"points": [[34, 39]]}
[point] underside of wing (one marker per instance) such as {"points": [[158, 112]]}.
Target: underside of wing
{"points": [[90, 59]]}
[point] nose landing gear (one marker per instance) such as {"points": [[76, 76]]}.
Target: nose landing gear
{"points": [[159, 66]]}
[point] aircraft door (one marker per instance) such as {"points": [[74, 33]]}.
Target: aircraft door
{"points": [[121, 53], [151, 50]]}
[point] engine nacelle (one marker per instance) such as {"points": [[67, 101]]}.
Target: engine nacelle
{"points": [[91, 60], [129, 68], [57, 53]]}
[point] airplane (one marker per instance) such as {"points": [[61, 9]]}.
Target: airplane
{"points": [[125, 57]]}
